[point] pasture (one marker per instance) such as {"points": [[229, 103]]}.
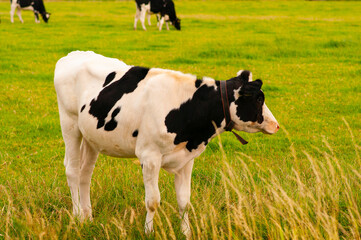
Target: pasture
{"points": [[302, 183]]}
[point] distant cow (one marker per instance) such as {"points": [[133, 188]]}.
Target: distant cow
{"points": [[163, 8], [37, 6], [164, 118]]}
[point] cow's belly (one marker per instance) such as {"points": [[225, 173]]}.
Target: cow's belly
{"points": [[117, 143]]}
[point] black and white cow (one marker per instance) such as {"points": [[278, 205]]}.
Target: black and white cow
{"points": [[163, 8], [37, 6], [164, 118]]}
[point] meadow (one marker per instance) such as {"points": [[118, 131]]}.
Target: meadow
{"points": [[302, 183]]}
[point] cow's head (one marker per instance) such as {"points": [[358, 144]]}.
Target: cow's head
{"points": [[45, 16], [176, 23], [249, 111]]}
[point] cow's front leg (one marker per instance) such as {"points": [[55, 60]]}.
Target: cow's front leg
{"points": [[36, 15], [158, 18], [182, 182], [151, 167]]}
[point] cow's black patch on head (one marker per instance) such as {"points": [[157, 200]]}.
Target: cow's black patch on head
{"points": [[109, 78], [192, 121], [112, 93], [177, 24], [82, 108], [250, 102], [135, 133], [198, 83]]}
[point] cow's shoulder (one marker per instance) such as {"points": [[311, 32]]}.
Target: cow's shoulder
{"points": [[193, 120]]}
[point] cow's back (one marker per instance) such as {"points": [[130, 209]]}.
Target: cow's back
{"points": [[111, 108]]}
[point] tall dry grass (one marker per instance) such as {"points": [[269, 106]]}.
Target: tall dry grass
{"points": [[319, 201]]}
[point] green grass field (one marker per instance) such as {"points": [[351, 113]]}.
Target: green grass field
{"points": [[302, 183]]}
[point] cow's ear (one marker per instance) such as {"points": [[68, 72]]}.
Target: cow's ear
{"points": [[258, 84], [244, 75]]}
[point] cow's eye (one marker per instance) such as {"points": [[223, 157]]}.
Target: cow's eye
{"points": [[260, 99]]}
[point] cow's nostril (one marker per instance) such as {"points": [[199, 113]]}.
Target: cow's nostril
{"points": [[278, 126]]}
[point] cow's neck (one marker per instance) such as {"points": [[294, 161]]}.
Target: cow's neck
{"points": [[194, 121]]}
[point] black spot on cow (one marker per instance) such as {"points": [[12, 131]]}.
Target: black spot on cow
{"points": [[115, 112], [135, 133], [82, 108], [112, 124], [198, 83], [112, 93], [250, 102], [192, 121], [109, 78]]}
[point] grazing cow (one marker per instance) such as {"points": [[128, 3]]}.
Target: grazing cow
{"points": [[163, 8], [37, 6], [164, 118]]}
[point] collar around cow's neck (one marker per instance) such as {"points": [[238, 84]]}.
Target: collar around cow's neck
{"points": [[227, 115]]}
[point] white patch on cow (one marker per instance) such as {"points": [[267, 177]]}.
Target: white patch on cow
{"points": [[268, 126], [209, 82]]}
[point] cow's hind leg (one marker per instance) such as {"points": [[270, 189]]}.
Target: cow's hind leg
{"points": [[136, 17], [88, 158], [12, 11], [72, 140], [183, 189], [18, 12]]}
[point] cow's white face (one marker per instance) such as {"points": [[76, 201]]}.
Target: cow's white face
{"points": [[249, 110]]}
